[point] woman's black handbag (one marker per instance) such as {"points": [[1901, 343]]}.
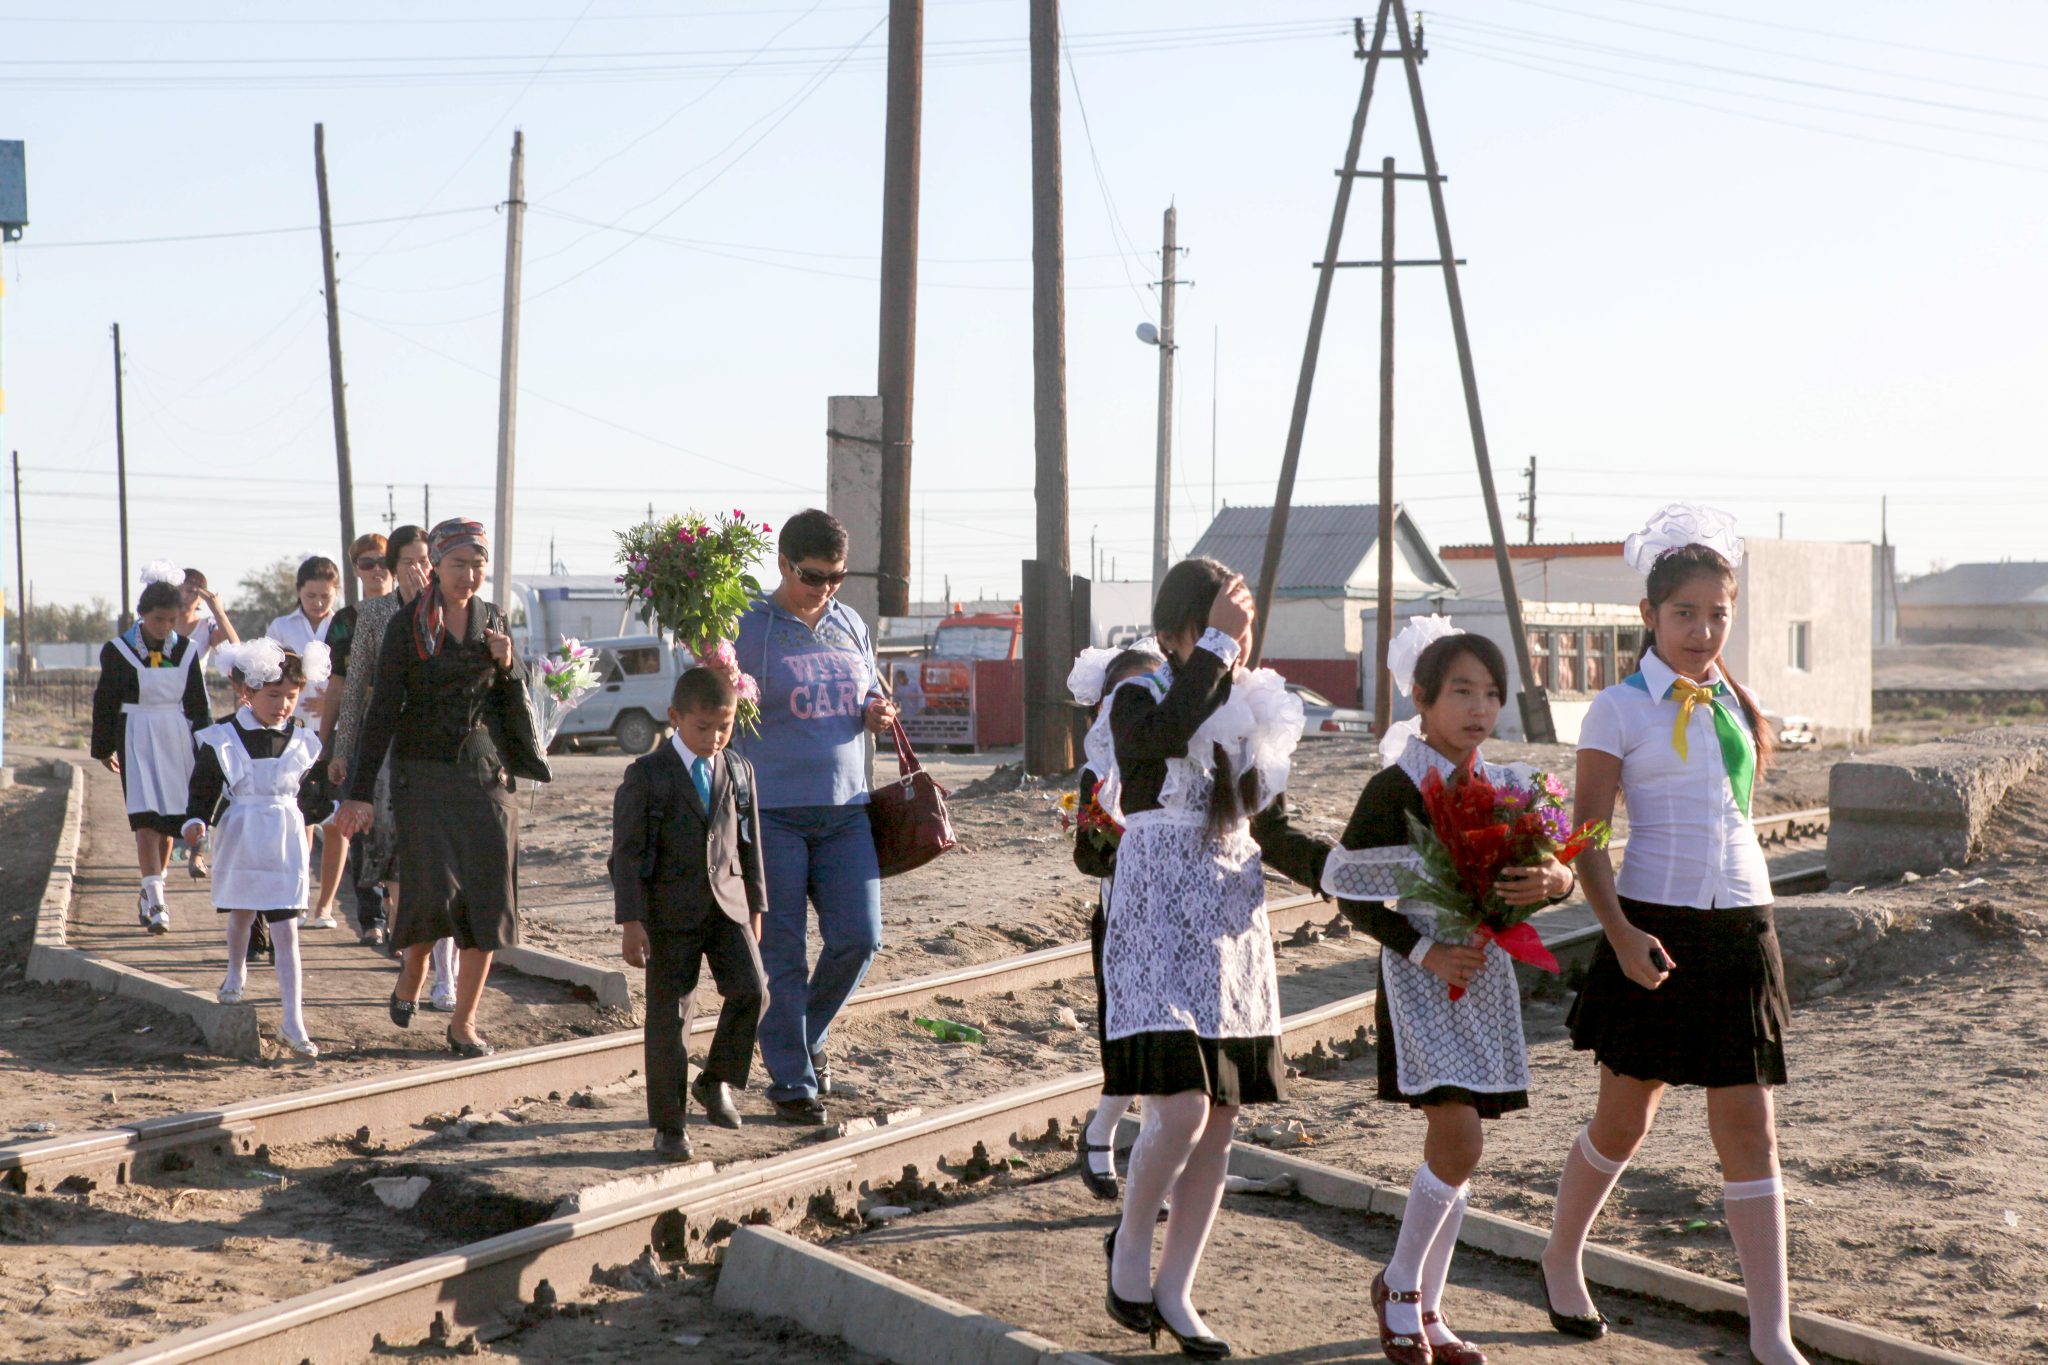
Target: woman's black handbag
{"points": [[909, 818]]}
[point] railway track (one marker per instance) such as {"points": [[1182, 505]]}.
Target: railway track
{"points": [[396, 1103]]}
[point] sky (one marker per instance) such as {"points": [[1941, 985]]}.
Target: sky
{"points": [[1785, 260]]}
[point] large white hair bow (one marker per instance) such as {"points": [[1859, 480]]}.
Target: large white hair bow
{"points": [[260, 662], [1677, 526], [1419, 634], [161, 571]]}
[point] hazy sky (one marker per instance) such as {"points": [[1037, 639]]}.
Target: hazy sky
{"points": [[1785, 258]]}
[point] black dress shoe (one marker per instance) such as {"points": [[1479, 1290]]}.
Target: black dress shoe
{"points": [[809, 1112], [1132, 1314], [671, 1144], [1588, 1327], [479, 1048], [821, 1067], [716, 1097], [402, 1011], [1197, 1348], [1101, 1184]]}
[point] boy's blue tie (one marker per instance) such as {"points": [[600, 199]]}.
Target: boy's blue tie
{"points": [[700, 773]]}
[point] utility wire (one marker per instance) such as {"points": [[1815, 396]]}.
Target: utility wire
{"points": [[245, 232], [1116, 219]]}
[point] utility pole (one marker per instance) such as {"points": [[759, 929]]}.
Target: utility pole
{"points": [[390, 507], [21, 571], [1215, 352], [123, 616], [1383, 690], [344, 473], [427, 506], [1528, 514], [1781, 525], [1048, 732], [508, 375], [896, 357], [1162, 477]]}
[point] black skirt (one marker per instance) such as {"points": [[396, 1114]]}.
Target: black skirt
{"points": [[458, 855], [1229, 1070], [1491, 1104], [1720, 1017]]}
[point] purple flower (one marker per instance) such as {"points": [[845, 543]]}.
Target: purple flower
{"points": [[647, 592], [1557, 826]]}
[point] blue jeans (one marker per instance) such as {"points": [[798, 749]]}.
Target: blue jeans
{"points": [[824, 855]]}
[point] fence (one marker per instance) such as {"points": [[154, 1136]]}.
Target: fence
{"points": [[68, 693]]}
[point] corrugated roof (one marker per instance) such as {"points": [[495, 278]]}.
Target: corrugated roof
{"points": [[1979, 585], [1329, 550]]}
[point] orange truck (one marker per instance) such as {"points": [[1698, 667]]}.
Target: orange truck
{"points": [[967, 690]]}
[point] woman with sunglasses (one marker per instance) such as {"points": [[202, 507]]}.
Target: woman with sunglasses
{"points": [[815, 663]]}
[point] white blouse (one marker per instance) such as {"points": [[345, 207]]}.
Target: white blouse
{"points": [[1689, 842], [295, 632]]}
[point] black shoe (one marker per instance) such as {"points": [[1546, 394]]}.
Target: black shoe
{"points": [[809, 1112], [1590, 1327], [479, 1048], [372, 936], [1100, 1184], [195, 866], [402, 1011], [671, 1144], [1199, 1348], [716, 1097], [821, 1067], [1132, 1314]]}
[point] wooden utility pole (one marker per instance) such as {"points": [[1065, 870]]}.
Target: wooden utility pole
{"points": [[1304, 384], [124, 616], [21, 572], [1048, 736], [896, 357], [1537, 726], [1162, 482], [1529, 502], [508, 377], [1383, 690], [344, 473]]}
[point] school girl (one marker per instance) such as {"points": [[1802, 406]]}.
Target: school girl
{"points": [[1687, 988], [1458, 1061], [1096, 675], [264, 768], [1193, 1014], [313, 620], [204, 629], [150, 698]]}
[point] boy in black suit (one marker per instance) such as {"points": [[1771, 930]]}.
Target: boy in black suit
{"points": [[687, 887]]}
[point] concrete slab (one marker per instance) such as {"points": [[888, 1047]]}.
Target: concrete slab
{"points": [[1924, 807]]}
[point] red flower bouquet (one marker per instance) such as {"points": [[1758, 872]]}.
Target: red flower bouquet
{"points": [[1476, 830], [1088, 820]]}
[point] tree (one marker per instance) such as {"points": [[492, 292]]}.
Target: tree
{"points": [[264, 595], [49, 624]]}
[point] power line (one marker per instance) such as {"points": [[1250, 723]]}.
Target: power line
{"points": [[1838, 34], [1129, 247], [247, 232]]}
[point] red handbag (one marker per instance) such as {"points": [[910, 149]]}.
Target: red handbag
{"points": [[908, 816]]}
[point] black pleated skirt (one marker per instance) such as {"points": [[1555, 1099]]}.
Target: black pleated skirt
{"points": [[1720, 1017], [1228, 1070], [458, 856]]}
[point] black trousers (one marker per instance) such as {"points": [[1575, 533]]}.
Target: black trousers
{"points": [[680, 943], [369, 893]]}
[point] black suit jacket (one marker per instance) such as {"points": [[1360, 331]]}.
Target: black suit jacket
{"points": [[672, 858]]}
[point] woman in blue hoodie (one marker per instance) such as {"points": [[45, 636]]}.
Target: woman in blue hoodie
{"points": [[815, 664]]}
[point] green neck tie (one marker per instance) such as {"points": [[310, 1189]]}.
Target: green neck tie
{"points": [[1737, 756]]}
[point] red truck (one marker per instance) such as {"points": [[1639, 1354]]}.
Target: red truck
{"points": [[967, 689]]}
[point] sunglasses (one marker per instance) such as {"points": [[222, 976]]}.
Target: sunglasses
{"points": [[814, 579], [369, 562]]}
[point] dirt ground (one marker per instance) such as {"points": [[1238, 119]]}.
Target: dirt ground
{"points": [[1960, 666], [1901, 1173]]}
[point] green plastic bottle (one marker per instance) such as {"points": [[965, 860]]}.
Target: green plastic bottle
{"points": [[946, 1031]]}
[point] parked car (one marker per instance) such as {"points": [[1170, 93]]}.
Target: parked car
{"points": [[1322, 718], [636, 673], [1794, 732]]}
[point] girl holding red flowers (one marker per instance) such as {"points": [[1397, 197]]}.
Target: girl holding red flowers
{"points": [[1456, 1054], [1688, 987]]}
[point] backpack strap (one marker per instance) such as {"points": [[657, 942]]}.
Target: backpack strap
{"points": [[740, 775]]}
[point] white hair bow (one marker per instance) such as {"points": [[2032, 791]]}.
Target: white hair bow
{"points": [[1677, 526], [161, 571]]}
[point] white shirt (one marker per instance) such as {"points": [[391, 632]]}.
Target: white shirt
{"points": [[295, 632], [1689, 842]]}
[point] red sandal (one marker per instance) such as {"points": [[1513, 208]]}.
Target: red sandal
{"points": [[1451, 1352], [1398, 1347]]}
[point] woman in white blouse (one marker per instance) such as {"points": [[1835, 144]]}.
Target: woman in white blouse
{"points": [[1688, 987]]}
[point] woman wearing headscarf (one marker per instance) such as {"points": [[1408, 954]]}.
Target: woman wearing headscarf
{"points": [[450, 711]]}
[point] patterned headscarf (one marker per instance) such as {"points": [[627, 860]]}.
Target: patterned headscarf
{"points": [[452, 534]]}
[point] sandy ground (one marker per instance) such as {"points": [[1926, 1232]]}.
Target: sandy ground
{"points": [[1959, 666]]}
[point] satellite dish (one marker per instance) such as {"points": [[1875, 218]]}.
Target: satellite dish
{"points": [[1148, 334]]}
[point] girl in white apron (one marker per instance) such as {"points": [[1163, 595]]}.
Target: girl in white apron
{"points": [[319, 589], [263, 765], [151, 697], [1458, 1061]]}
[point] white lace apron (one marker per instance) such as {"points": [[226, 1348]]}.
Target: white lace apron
{"points": [[259, 844], [1474, 1043]]}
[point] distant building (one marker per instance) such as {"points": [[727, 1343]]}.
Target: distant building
{"points": [[1329, 568], [1975, 603]]}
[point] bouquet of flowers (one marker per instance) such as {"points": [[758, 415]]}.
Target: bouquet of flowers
{"points": [[559, 683], [1478, 829], [1088, 820], [693, 578]]}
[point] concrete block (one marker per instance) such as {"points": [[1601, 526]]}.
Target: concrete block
{"points": [[612, 989], [1924, 807], [771, 1274]]}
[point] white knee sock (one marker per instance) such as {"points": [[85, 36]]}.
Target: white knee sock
{"points": [[1755, 1210], [1430, 1202], [1173, 1125], [1196, 1196], [1436, 1268], [442, 956], [1587, 1180], [240, 924], [153, 890], [1101, 1131], [284, 937]]}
